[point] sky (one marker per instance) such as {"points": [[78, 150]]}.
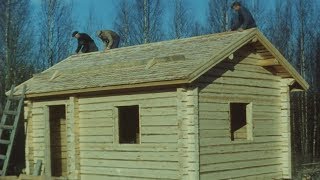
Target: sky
{"points": [[105, 10]]}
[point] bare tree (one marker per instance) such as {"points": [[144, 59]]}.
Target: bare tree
{"points": [[181, 20], [280, 20], [305, 115], [16, 43], [258, 11], [15, 40], [148, 22], [93, 24], [124, 23], [56, 26], [198, 29], [218, 15]]}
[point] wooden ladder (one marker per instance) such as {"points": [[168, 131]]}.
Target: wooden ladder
{"points": [[8, 127]]}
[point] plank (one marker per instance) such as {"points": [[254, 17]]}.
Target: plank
{"points": [[269, 175], [214, 133], [41, 104], [148, 156], [238, 81], [232, 89], [214, 107], [239, 73], [169, 120], [96, 122], [164, 101], [242, 66], [240, 164], [96, 139], [214, 124], [159, 111], [226, 140], [159, 130], [231, 174], [102, 176], [96, 131], [242, 98], [206, 115], [47, 160], [125, 172], [239, 156], [159, 138], [133, 97], [151, 147], [244, 147], [96, 114], [130, 164]]}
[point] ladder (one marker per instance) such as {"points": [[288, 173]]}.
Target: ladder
{"points": [[8, 127]]}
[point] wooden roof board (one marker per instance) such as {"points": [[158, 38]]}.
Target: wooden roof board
{"points": [[130, 66]]}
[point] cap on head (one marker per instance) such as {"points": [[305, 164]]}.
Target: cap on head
{"points": [[74, 33], [236, 3]]}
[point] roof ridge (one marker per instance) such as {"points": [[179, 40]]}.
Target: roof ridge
{"points": [[175, 40]]}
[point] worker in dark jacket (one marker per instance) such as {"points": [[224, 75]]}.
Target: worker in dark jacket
{"points": [[85, 42], [245, 18], [235, 25], [109, 38]]}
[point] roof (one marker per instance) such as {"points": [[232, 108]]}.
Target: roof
{"points": [[163, 63]]}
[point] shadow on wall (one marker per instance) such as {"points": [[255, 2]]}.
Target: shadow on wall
{"points": [[226, 65]]}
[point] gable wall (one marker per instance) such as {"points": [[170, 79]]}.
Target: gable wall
{"points": [[221, 158]]}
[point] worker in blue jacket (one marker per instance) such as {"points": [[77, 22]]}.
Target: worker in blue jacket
{"points": [[244, 19]]}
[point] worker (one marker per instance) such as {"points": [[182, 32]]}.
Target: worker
{"points": [[109, 38], [85, 43], [234, 22], [244, 19]]}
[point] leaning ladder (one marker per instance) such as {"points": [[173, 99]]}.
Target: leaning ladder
{"points": [[8, 127]]}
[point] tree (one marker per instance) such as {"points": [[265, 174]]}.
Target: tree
{"points": [[93, 25], [56, 26], [15, 40], [124, 23], [148, 22], [181, 21], [198, 29], [218, 15], [258, 9], [16, 45], [306, 113], [281, 21], [139, 22]]}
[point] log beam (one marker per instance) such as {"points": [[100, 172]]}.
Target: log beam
{"points": [[268, 62]]}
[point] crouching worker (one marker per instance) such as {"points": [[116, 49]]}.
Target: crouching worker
{"points": [[244, 19], [85, 42], [109, 38]]}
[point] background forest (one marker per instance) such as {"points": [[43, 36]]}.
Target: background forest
{"points": [[36, 34]]}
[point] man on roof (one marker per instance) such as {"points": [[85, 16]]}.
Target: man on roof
{"points": [[244, 19], [110, 38], [85, 43]]}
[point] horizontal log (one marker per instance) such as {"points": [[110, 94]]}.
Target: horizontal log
{"points": [[268, 62], [134, 172]]}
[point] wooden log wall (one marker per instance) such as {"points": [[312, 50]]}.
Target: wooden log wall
{"points": [[244, 81], [102, 157]]}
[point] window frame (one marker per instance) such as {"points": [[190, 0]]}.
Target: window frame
{"points": [[116, 135], [249, 120]]}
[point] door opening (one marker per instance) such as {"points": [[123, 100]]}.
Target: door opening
{"points": [[58, 140]]}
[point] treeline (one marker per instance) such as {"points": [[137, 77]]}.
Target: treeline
{"points": [[33, 38]]}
